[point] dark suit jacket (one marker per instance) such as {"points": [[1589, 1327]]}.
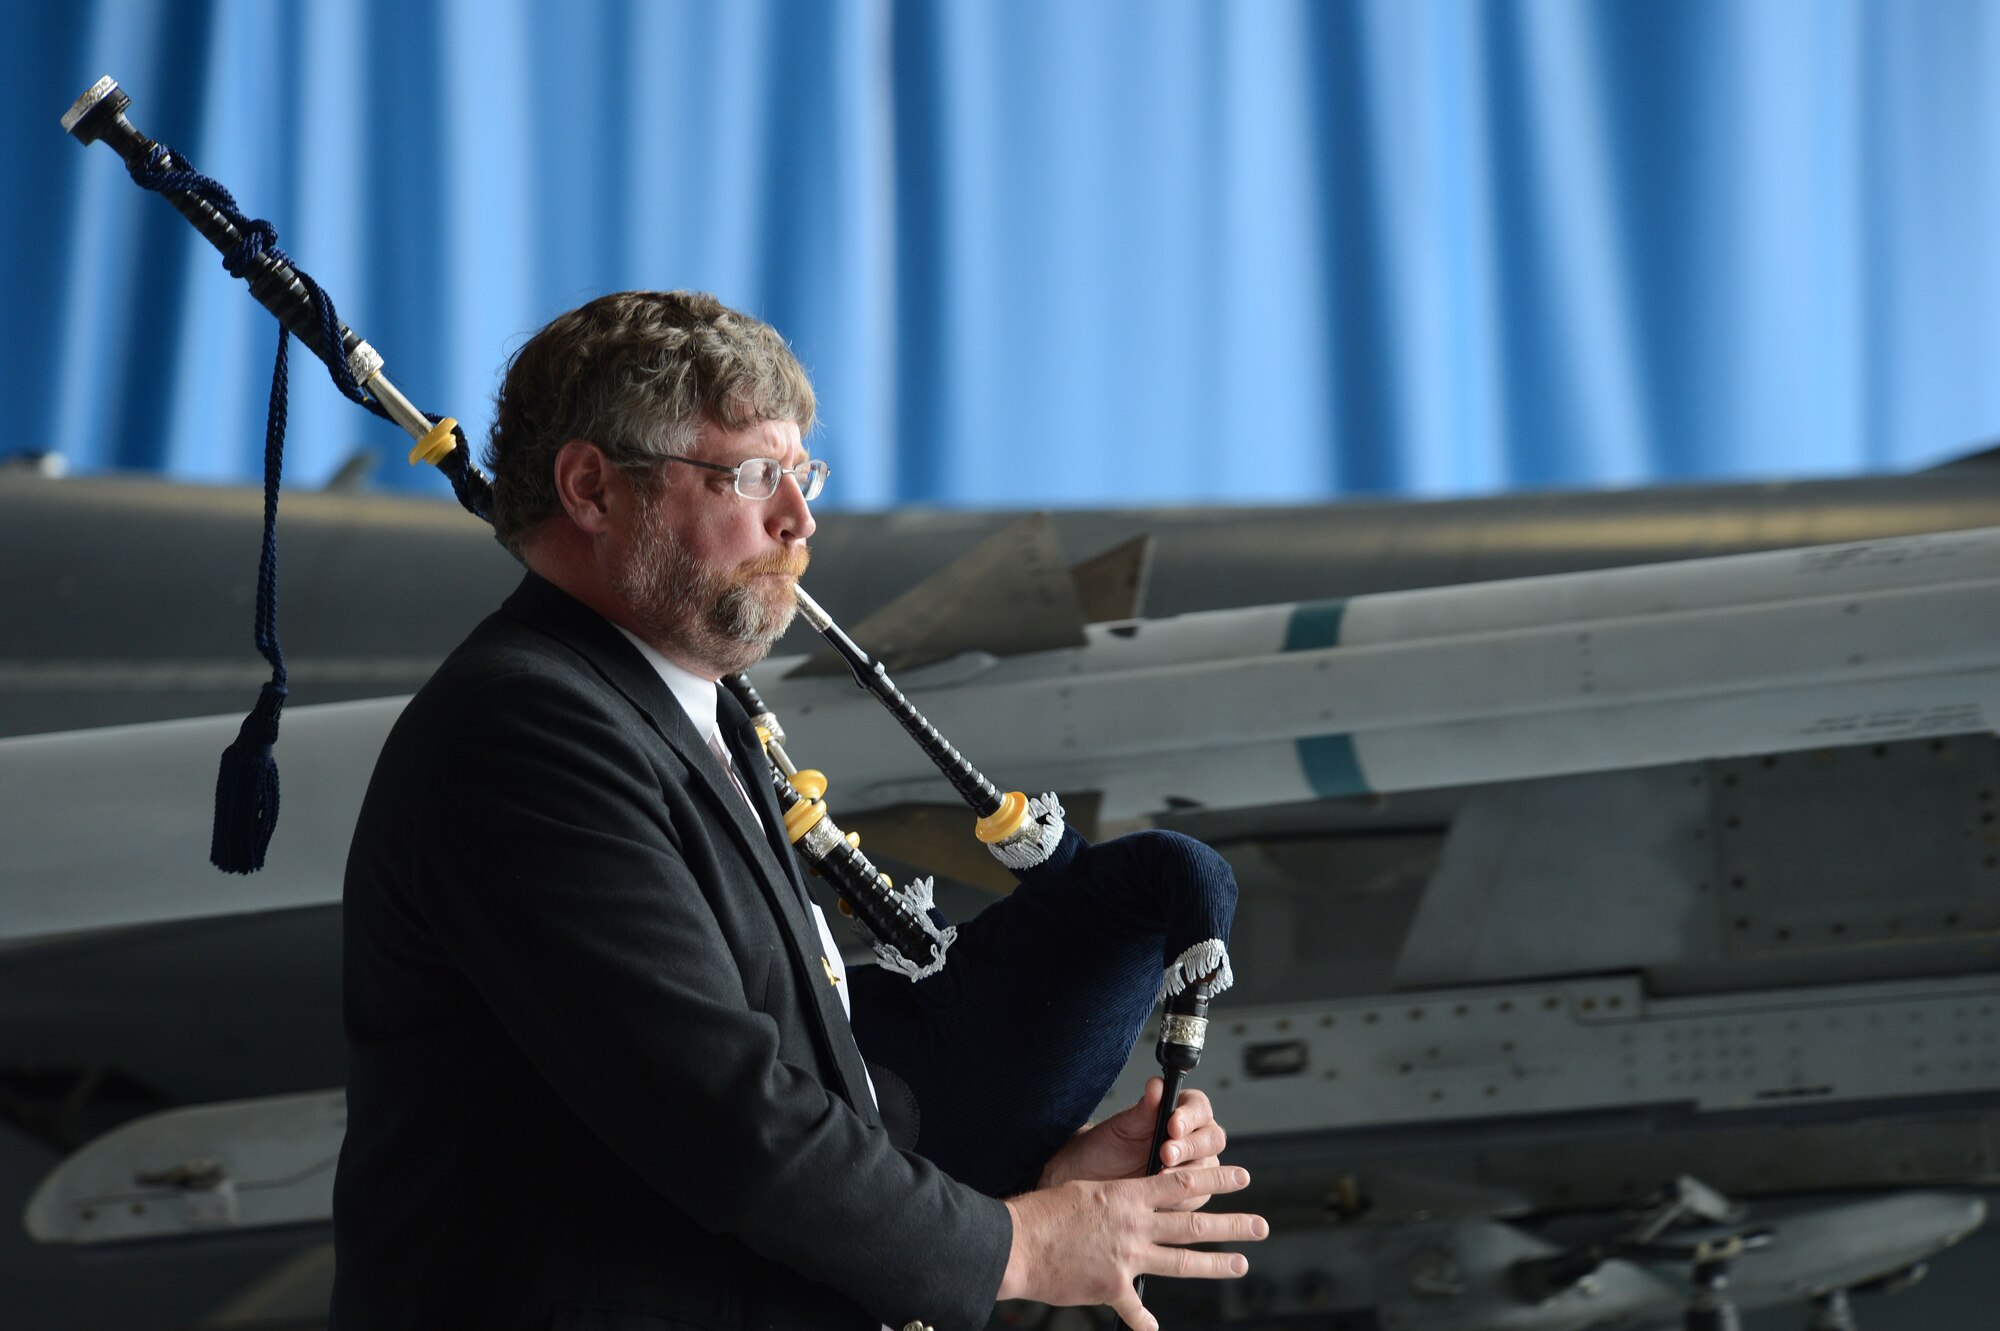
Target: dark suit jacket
{"points": [[598, 1075]]}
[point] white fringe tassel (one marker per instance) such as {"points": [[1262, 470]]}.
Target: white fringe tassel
{"points": [[1209, 960], [1036, 840], [919, 892]]}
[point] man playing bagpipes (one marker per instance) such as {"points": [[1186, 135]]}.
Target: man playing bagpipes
{"points": [[602, 1073]]}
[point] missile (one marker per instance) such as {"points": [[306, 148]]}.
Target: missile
{"points": [[1503, 681]]}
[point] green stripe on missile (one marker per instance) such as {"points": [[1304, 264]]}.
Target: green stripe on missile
{"points": [[1314, 624], [1331, 767]]}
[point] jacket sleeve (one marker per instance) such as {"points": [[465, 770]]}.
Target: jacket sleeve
{"points": [[551, 871]]}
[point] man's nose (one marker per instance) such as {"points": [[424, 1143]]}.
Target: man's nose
{"points": [[790, 518]]}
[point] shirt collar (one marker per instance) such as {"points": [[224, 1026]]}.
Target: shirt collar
{"points": [[695, 694]]}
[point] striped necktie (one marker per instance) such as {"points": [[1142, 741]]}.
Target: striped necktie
{"points": [[721, 752]]}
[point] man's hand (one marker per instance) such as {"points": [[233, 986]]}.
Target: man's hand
{"points": [[1116, 1148], [1085, 1242]]}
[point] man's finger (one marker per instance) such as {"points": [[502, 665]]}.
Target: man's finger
{"points": [[1133, 1313], [1188, 1264], [1205, 1227], [1136, 1120], [1180, 1184], [1191, 1110], [1188, 1204], [1204, 1143]]}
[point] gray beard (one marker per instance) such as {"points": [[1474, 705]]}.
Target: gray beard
{"points": [[696, 614]]}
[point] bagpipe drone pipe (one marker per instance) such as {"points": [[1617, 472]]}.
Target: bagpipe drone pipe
{"points": [[1009, 1028]]}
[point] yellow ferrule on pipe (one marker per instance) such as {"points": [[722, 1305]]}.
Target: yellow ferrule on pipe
{"points": [[1004, 821]]}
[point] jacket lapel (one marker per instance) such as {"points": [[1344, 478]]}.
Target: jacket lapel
{"points": [[548, 608]]}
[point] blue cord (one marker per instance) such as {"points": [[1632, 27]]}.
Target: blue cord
{"points": [[246, 788]]}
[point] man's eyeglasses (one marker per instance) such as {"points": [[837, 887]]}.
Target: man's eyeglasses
{"points": [[758, 478]]}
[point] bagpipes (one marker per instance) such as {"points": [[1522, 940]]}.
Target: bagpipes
{"points": [[1010, 1046]]}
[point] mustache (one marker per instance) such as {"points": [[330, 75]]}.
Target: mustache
{"points": [[793, 562]]}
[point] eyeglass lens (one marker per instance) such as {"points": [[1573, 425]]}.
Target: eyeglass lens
{"points": [[758, 478]]}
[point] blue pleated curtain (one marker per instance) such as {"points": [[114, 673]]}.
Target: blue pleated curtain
{"points": [[1057, 251]]}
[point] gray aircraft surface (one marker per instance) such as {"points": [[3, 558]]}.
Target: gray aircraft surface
{"points": [[1588, 843]]}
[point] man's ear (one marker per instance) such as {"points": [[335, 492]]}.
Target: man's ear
{"points": [[585, 480]]}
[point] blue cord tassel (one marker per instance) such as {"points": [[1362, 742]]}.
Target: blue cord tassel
{"points": [[246, 789]]}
